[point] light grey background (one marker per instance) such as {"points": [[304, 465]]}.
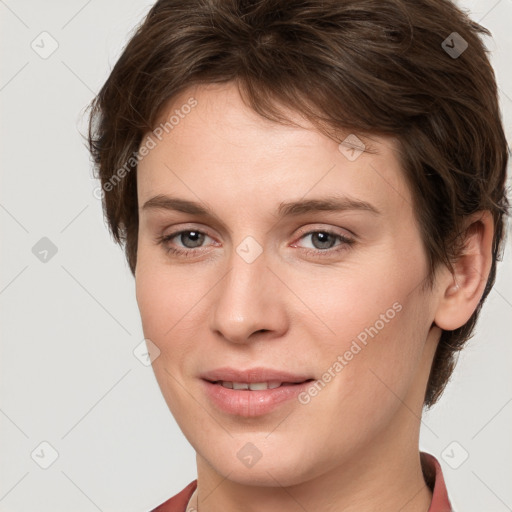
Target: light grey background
{"points": [[69, 325]]}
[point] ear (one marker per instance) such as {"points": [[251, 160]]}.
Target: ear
{"points": [[461, 291]]}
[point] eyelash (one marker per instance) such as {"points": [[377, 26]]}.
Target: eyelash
{"points": [[345, 244]]}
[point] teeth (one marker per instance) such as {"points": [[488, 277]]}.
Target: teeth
{"points": [[254, 386], [258, 386]]}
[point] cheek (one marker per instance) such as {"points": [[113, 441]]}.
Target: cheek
{"points": [[164, 299], [378, 321], [164, 294], [152, 299], [173, 304], [359, 301], [369, 365]]}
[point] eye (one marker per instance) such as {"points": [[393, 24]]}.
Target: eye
{"points": [[322, 241], [190, 239]]}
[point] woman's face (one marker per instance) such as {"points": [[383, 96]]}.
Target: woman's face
{"points": [[253, 276]]}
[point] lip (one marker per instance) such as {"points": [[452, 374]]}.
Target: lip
{"points": [[248, 403]]}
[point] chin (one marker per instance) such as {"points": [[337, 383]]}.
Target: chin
{"points": [[241, 462]]}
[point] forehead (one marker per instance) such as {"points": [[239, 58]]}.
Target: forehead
{"points": [[222, 106], [210, 143]]}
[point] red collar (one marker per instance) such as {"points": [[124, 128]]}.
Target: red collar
{"points": [[433, 472]]}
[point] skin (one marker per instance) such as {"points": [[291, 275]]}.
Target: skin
{"points": [[354, 446]]}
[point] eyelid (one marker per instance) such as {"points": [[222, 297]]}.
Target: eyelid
{"points": [[185, 229], [343, 232]]}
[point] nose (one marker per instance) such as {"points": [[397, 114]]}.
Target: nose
{"points": [[249, 303]]}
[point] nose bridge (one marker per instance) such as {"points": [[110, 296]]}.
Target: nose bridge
{"points": [[246, 301]]}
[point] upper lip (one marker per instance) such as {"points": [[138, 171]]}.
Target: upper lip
{"points": [[249, 375]]}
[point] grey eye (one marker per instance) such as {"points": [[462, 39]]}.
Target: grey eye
{"points": [[191, 239]]}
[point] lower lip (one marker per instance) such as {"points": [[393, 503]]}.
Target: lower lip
{"points": [[243, 402]]}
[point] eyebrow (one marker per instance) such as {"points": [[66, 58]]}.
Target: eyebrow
{"points": [[285, 209]]}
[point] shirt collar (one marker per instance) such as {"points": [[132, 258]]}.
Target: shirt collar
{"points": [[435, 480]]}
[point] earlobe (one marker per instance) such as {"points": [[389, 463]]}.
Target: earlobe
{"points": [[460, 292]]}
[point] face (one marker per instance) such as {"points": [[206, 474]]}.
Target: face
{"points": [[298, 256]]}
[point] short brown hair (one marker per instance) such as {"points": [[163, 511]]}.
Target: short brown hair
{"points": [[360, 66]]}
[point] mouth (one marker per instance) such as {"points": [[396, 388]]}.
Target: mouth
{"points": [[259, 376], [252, 392]]}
